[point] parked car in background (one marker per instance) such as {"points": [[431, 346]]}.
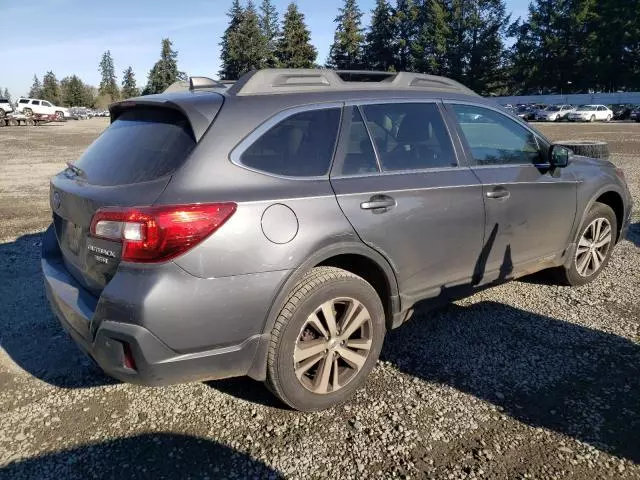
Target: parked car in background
{"points": [[621, 112], [554, 113], [29, 106], [635, 113], [280, 228], [525, 112], [591, 113], [5, 107]]}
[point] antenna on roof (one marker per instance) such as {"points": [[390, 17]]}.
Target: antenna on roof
{"points": [[199, 83]]}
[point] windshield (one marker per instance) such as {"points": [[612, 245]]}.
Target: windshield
{"points": [[587, 108], [555, 108]]}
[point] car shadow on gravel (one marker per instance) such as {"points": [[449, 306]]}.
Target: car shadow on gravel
{"points": [[541, 371], [154, 456], [29, 332]]}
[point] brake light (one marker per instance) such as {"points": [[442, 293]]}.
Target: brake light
{"points": [[156, 234]]}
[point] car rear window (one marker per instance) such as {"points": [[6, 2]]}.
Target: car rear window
{"points": [[139, 146], [299, 146]]}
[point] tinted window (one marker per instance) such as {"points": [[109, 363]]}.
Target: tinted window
{"points": [[299, 146], [409, 136], [23, 101], [2, 100], [359, 156], [141, 145], [46, 104], [495, 139], [35, 102]]}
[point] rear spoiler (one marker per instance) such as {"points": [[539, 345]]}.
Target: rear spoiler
{"points": [[199, 108]]}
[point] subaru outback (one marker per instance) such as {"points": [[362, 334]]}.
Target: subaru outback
{"points": [[278, 228]]}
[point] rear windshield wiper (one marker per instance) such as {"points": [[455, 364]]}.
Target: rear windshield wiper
{"points": [[77, 170]]}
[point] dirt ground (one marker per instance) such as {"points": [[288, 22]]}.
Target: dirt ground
{"points": [[526, 380]]}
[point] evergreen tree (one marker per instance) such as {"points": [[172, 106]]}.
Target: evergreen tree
{"points": [[294, 45], [165, 71], [405, 18], [379, 47], [129, 88], [50, 88], [228, 55], [6, 95], [108, 82], [485, 64], [429, 50], [73, 92], [36, 88], [270, 30], [247, 43], [348, 41]]}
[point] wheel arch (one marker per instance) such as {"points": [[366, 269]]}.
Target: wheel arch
{"points": [[354, 257], [614, 200]]}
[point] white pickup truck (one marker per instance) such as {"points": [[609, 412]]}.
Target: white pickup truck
{"points": [[29, 106]]}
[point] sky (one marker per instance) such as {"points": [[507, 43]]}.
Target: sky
{"points": [[69, 36]]}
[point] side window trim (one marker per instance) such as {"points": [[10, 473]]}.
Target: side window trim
{"points": [[375, 147], [542, 144], [264, 127]]}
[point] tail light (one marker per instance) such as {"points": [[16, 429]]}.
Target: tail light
{"points": [[156, 234]]}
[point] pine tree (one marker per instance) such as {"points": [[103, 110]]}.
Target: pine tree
{"points": [[6, 95], [270, 30], [405, 18], [73, 92], [379, 47], [50, 88], [294, 45], [348, 41], [228, 55], [129, 88], [247, 43], [108, 82], [487, 24], [429, 50], [165, 71], [36, 88]]}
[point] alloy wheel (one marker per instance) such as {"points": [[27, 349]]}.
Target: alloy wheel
{"points": [[593, 247], [333, 345]]}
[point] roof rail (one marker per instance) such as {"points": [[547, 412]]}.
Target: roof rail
{"points": [[269, 81]]}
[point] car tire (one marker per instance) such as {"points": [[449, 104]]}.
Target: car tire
{"points": [[592, 119], [608, 118], [342, 359], [27, 112], [577, 273], [60, 116], [2, 113]]}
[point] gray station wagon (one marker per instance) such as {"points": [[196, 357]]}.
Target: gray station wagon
{"points": [[278, 228]]}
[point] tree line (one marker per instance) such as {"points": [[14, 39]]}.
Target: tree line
{"points": [[561, 46], [71, 91]]}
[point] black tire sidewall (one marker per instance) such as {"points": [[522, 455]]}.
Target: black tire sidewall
{"points": [[598, 210], [293, 392]]}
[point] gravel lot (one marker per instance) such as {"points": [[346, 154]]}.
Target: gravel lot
{"points": [[526, 380]]}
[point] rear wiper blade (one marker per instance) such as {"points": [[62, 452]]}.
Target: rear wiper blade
{"points": [[77, 170]]}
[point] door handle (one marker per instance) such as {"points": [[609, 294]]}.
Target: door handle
{"points": [[378, 202], [499, 192]]}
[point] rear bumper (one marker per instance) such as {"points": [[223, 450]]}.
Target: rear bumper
{"points": [[102, 328]]}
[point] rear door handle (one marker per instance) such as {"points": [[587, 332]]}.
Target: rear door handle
{"points": [[499, 192], [378, 202]]}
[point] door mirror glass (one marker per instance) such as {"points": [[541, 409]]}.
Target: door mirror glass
{"points": [[560, 156]]}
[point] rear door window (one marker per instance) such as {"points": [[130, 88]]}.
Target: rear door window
{"points": [[23, 100], [141, 145], [409, 136], [301, 145], [35, 102]]}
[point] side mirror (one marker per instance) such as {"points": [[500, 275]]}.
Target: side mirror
{"points": [[560, 156]]}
